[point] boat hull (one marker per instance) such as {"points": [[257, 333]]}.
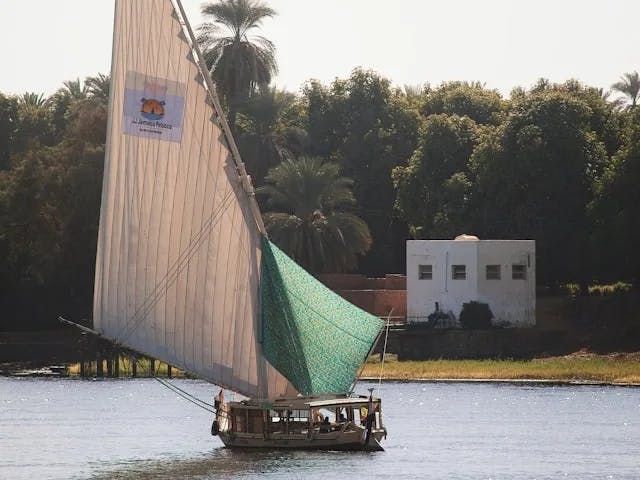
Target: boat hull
{"points": [[349, 441]]}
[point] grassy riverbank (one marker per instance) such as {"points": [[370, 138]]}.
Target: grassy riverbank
{"points": [[580, 366]]}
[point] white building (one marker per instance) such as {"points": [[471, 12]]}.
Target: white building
{"points": [[444, 274]]}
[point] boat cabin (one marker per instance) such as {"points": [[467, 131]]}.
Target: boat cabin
{"points": [[302, 415]]}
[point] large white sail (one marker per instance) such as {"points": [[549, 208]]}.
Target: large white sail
{"points": [[177, 268]]}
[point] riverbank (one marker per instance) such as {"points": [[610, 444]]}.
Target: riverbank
{"points": [[579, 367], [57, 353]]}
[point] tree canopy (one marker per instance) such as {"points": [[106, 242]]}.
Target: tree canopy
{"points": [[629, 86], [346, 171], [433, 189], [240, 62], [310, 218], [368, 128]]}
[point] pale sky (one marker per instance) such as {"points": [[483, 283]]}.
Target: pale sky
{"points": [[502, 43]]}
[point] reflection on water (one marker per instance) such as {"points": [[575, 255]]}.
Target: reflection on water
{"points": [[137, 429], [226, 463]]}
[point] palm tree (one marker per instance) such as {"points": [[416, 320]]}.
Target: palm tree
{"points": [[311, 224], [268, 131], [616, 103], [98, 87], [238, 62], [64, 100], [629, 85], [32, 99], [34, 124], [74, 90]]}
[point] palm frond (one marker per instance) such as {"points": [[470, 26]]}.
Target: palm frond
{"points": [[98, 87], [32, 99], [310, 224], [629, 86], [239, 63]]}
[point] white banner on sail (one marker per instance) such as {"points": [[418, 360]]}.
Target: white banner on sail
{"points": [[153, 107]]}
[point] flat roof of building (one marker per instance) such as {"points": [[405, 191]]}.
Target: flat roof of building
{"points": [[466, 241]]}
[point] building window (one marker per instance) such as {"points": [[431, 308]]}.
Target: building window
{"points": [[458, 272], [518, 271], [493, 272], [425, 272]]}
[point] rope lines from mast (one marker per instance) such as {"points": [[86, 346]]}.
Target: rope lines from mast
{"points": [[384, 349], [187, 396], [184, 394], [129, 328]]}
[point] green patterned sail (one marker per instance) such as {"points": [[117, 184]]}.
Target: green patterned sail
{"points": [[314, 337]]}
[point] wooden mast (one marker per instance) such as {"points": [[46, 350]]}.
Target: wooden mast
{"points": [[211, 88]]}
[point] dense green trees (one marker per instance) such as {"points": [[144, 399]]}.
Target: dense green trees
{"points": [[465, 99], [614, 218], [433, 189], [534, 166], [49, 205], [534, 178], [311, 220], [8, 126], [269, 130], [557, 163], [368, 128]]}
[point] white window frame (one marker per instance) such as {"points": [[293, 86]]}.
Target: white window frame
{"points": [[494, 274], [518, 271], [425, 272], [458, 272]]}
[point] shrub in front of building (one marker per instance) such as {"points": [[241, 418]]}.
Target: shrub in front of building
{"points": [[598, 290], [612, 289], [475, 315]]}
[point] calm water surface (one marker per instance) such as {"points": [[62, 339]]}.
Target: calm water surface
{"points": [[138, 429]]}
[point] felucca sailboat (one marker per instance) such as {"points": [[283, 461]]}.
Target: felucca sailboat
{"points": [[185, 272]]}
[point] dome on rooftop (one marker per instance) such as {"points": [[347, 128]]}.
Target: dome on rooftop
{"points": [[467, 238]]}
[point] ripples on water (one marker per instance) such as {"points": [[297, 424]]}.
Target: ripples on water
{"points": [[137, 429]]}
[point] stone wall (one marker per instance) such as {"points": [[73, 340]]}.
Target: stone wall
{"points": [[424, 344], [378, 296], [378, 302], [564, 325], [355, 281]]}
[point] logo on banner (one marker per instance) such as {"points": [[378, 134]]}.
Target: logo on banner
{"points": [[153, 107]]}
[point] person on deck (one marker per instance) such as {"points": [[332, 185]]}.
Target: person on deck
{"points": [[325, 426], [316, 416], [371, 418], [218, 399]]}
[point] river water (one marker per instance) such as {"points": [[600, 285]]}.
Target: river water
{"points": [[138, 429]]}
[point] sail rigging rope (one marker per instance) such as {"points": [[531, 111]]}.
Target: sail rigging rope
{"points": [[190, 398], [132, 324], [175, 387], [187, 396], [384, 349]]}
